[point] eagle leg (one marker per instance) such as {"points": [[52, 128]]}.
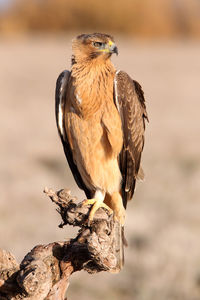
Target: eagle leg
{"points": [[96, 204], [114, 201]]}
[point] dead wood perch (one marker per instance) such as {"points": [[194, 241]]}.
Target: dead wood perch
{"points": [[44, 272]]}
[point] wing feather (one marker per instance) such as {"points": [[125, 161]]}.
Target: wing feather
{"points": [[60, 105], [130, 102]]}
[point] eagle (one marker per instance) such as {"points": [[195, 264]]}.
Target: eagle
{"points": [[100, 116]]}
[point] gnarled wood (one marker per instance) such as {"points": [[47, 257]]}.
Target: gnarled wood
{"points": [[44, 272]]}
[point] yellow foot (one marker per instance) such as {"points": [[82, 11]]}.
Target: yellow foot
{"points": [[96, 205]]}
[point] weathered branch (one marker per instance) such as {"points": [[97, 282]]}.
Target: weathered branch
{"points": [[44, 272]]}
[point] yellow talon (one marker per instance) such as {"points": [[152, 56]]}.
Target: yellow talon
{"points": [[89, 201], [96, 205]]}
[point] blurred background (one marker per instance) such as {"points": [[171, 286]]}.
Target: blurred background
{"points": [[159, 46]]}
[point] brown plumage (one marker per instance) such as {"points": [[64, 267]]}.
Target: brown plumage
{"points": [[130, 101], [100, 116]]}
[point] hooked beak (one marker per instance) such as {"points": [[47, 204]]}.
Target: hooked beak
{"points": [[112, 48]]}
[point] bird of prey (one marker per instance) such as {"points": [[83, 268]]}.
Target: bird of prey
{"points": [[100, 114]]}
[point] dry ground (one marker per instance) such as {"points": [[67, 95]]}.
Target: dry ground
{"points": [[163, 221]]}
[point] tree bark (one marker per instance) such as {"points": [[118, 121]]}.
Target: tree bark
{"points": [[44, 272]]}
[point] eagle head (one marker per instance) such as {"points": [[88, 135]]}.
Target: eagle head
{"points": [[93, 46]]}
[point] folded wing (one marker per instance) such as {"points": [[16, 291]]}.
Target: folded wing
{"points": [[130, 102], [60, 110]]}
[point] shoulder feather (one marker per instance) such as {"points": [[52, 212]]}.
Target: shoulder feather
{"points": [[60, 97]]}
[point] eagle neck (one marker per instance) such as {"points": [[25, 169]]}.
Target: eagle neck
{"points": [[93, 82]]}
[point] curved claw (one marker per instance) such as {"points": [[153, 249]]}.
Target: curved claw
{"points": [[96, 204]]}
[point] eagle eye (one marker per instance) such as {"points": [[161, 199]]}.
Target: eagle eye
{"points": [[97, 44]]}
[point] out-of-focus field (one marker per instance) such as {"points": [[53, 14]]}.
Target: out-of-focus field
{"points": [[146, 18], [163, 221]]}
